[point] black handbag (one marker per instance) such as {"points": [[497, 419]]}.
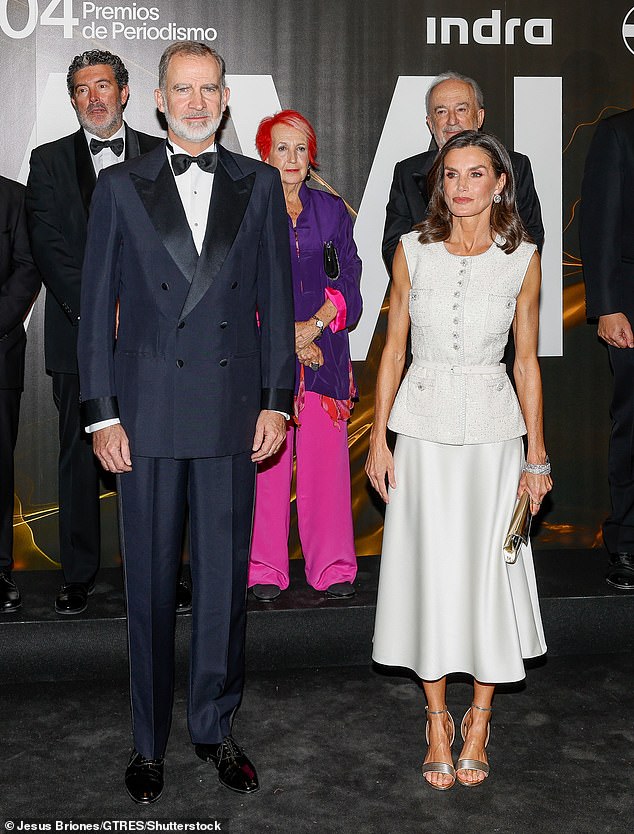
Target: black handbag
{"points": [[331, 261]]}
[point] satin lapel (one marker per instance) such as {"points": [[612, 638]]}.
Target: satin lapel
{"points": [[85, 171], [229, 200], [421, 183], [131, 144], [420, 178], [163, 205]]}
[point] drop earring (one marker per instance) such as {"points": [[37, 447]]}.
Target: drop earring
{"points": [[308, 174]]}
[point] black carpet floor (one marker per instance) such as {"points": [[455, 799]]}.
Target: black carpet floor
{"points": [[337, 750]]}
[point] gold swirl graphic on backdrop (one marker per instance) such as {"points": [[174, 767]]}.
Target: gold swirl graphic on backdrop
{"points": [[27, 553]]}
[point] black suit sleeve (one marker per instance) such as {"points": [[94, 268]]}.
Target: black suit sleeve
{"points": [[21, 286], [398, 220], [528, 206], [275, 306], [99, 293], [600, 222], [59, 265]]}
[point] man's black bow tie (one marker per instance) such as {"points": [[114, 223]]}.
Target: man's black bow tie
{"points": [[115, 145], [206, 162]]}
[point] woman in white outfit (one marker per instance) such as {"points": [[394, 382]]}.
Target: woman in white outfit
{"points": [[447, 600]]}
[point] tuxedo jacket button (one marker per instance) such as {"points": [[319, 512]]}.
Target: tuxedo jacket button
{"points": [[223, 324], [223, 362], [181, 324], [234, 285], [179, 363], [165, 286]]}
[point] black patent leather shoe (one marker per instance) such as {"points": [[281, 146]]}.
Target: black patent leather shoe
{"points": [[235, 771], [266, 593], [73, 597], [621, 571], [10, 599], [341, 590], [183, 597], [144, 778]]}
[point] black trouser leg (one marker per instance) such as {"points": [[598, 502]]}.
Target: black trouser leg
{"points": [[9, 413], [79, 537], [618, 529]]}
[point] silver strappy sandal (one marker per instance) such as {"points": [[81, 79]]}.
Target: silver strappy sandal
{"points": [[440, 767], [473, 764]]}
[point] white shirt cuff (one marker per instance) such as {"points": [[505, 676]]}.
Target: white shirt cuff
{"points": [[102, 424]]}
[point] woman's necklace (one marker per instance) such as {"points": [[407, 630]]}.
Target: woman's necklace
{"points": [[294, 211]]}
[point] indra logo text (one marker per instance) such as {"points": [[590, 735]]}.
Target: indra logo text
{"points": [[537, 31]]}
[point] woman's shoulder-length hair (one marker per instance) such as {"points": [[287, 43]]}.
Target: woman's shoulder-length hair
{"points": [[505, 220]]}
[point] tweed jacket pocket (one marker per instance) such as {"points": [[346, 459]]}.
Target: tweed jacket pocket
{"points": [[500, 312]]}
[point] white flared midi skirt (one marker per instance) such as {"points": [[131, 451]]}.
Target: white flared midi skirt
{"points": [[447, 600]]}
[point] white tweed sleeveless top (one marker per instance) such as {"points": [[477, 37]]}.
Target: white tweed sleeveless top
{"points": [[461, 309]]}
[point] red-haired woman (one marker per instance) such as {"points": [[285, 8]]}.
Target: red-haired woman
{"points": [[326, 275]]}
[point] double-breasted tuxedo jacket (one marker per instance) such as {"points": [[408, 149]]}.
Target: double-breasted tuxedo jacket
{"points": [[59, 189], [409, 197], [606, 227], [187, 374], [190, 368], [19, 284]]}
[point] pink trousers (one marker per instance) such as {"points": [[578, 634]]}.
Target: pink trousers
{"points": [[324, 511]]}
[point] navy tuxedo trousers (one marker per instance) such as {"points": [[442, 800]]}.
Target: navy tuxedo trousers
{"points": [[153, 501]]}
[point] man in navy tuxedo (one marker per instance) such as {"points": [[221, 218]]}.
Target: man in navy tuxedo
{"points": [[185, 244], [19, 284]]}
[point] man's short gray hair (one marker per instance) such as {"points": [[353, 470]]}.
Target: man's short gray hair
{"points": [[450, 75], [194, 49]]}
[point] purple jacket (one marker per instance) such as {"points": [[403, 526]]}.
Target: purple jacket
{"points": [[324, 218]]}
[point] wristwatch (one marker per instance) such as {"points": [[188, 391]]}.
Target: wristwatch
{"points": [[319, 325]]}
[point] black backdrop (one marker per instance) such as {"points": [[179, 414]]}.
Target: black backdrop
{"points": [[340, 62]]}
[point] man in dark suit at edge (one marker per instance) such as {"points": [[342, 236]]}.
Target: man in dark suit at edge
{"points": [[607, 252], [188, 242], [60, 185], [19, 284], [454, 103]]}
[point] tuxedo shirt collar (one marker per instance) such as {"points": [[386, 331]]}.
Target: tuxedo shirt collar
{"points": [[171, 148], [106, 157]]}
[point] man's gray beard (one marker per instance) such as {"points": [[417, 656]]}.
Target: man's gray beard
{"points": [[102, 131], [188, 132]]}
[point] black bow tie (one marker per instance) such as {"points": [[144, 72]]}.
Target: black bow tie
{"points": [[115, 145], [206, 162]]}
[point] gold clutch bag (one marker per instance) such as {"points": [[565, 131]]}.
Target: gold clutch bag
{"points": [[519, 528]]}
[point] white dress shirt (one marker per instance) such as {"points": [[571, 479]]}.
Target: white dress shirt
{"points": [[194, 188]]}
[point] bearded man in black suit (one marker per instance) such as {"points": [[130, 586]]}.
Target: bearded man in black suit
{"points": [[19, 284], [59, 190], [454, 103]]}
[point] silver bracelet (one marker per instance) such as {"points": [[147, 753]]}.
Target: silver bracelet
{"points": [[538, 468]]}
